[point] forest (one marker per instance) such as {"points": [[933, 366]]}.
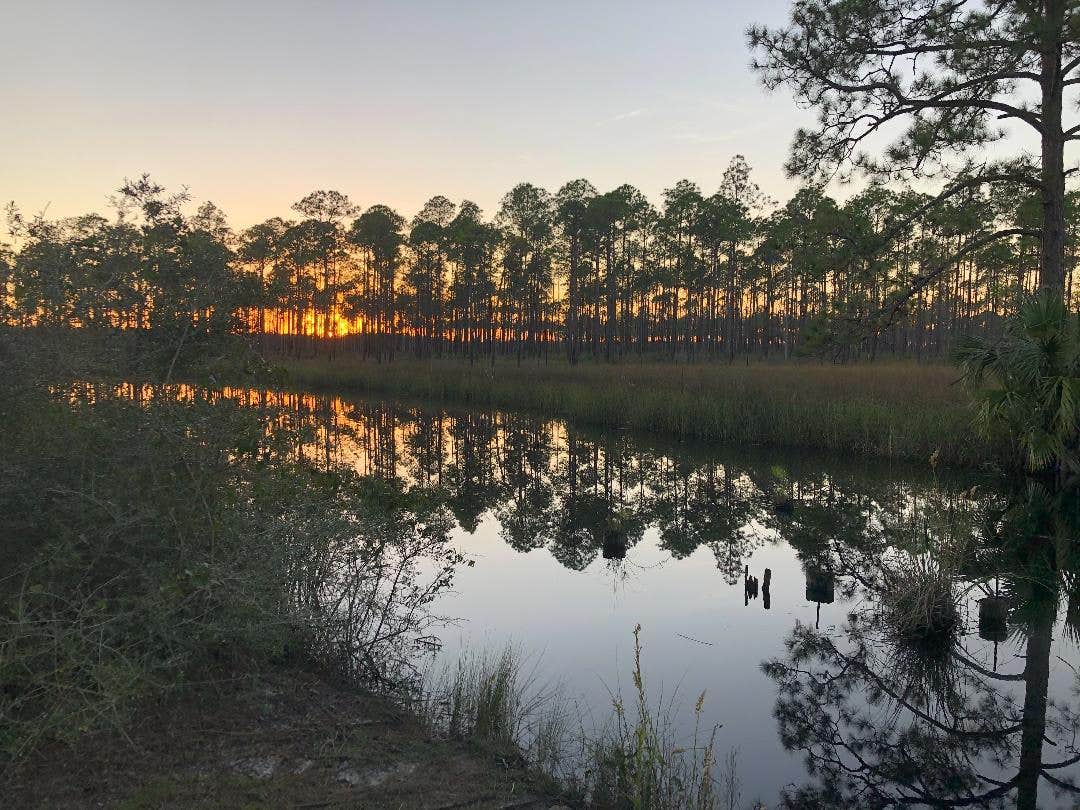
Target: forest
{"points": [[575, 273]]}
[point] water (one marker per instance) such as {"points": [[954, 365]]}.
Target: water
{"points": [[578, 536]]}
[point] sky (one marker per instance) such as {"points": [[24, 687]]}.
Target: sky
{"points": [[254, 104]]}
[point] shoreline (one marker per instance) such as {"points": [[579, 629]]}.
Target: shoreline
{"points": [[279, 738], [890, 411]]}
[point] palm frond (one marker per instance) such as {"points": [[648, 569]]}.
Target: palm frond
{"points": [[1028, 382]]}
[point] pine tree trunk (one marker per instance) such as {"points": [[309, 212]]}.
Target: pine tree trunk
{"points": [[1052, 259]]}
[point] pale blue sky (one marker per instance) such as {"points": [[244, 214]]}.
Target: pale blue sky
{"points": [[253, 104]]}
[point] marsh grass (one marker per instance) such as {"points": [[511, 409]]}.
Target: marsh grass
{"points": [[919, 602], [635, 759], [896, 410], [919, 612], [638, 762], [918, 622], [501, 701]]}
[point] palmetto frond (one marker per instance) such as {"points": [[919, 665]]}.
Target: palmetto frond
{"points": [[1028, 383]]}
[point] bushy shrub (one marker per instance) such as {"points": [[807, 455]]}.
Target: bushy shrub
{"points": [[154, 538]]}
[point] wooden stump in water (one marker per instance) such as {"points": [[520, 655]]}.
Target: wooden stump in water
{"points": [[994, 618], [614, 546], [820, 587]]}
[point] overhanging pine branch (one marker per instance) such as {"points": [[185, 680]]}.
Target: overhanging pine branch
{"points": [[886, 316]]}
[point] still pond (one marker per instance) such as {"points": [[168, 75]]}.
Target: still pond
{"points": [[863, 632]]}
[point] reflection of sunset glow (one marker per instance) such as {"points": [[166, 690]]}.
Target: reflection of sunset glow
{"points": [[392, 441], [334, 431]]}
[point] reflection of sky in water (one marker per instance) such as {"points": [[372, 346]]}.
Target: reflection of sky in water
{"points": [[577, 626], [581, 624], [697, 633]]}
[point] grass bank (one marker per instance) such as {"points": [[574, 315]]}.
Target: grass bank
{"points": [[887, 410]]}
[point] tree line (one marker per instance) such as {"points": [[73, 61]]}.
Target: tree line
{"points": [[577, 273]]}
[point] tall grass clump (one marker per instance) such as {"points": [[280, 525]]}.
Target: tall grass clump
{"points": [[919, 600], [500, 700], [635, 759], [887, 410], [919, 619]]}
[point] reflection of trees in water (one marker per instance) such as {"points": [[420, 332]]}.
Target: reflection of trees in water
{"points": [[885, 717], [524, 511], [890, 714], [584, 496], [468, 471]]}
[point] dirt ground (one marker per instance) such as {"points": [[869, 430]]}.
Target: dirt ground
{"points": [[287, 740]]}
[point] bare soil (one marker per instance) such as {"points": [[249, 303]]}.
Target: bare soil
{"points": [[287, 739]]}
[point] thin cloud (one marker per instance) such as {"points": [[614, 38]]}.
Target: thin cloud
{"points": [[724, 106], [624, 116], [692, 136]]}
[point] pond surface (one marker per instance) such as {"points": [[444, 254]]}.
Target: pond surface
{"points": [[817, 679]]}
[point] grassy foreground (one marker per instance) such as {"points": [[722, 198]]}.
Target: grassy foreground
{"points": [[888, 410]]}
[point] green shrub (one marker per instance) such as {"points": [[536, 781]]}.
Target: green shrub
{"points": [[1027, 385], [170, 541]]}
